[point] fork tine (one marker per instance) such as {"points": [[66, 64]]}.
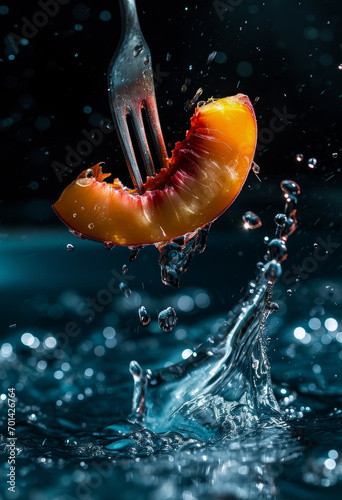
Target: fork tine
{"points": [[155, 127], [127, 147], [142, 141]]}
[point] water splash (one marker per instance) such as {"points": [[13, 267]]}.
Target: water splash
{"points": [[225, 384], [175, 257]]}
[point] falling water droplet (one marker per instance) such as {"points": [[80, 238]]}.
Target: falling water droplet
{"points": [[340, 66], [255, 168], [70, 247], [289, 292], [175, 256], [167, 319], [145, 318], [124, 269], [211, 56], [91, 225], [334, 155], [299, 157], [125, 289], [290, 187], [133, 253], [312, 162], [251, 220], [280, 220]]}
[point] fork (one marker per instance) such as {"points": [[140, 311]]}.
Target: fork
{"points": [[131, 89]]}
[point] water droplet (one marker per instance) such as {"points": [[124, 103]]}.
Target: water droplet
{"points": [[312, 162], [299, 157], [125, 289], [74, 215], [108, 245], [184, 88], [145, 318], [70, 247], [266, 240], [167, 319], [277, 250], [340, 66], [289, 292], [273, 307], [137, 49], [169, 102], [211, 56], [105, 15], [146, 60], [175, 257], [315, 245], [91, 225], [280, 220], [255, 168], [133, 253], [290, 187], [273, 272], [251, 220], [189, 105], [334, 155], [124, 269]]}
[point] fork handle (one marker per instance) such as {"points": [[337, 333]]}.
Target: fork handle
{"points": [[129, 16]]}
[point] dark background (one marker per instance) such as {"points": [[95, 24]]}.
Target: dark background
{"points": [[293, 50]]}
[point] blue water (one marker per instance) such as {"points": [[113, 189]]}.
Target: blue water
{"points": [[203, 421]]}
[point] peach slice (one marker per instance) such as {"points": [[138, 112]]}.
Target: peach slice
{"points": [[205, 174]]}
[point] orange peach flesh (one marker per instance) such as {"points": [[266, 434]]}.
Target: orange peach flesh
{"points": [[206, 173]]}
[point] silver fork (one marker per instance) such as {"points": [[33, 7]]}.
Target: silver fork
{"points": [[131, 88]]}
